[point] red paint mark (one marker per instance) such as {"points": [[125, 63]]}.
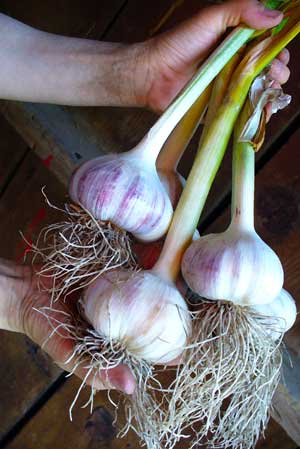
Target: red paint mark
{"points": [[48, 160], [26, 244], [37, 219]]}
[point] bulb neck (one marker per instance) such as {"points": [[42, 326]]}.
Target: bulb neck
{"points": [[243, 182]]}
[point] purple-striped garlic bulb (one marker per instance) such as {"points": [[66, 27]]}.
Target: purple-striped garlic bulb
{"points": [[124, 189], [233, 266]]}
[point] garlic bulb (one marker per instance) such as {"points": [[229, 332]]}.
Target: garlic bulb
{"points": [[140, 311], [233, 266], [278, 316], [126, 191]]}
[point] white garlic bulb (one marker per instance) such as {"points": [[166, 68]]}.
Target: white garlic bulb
{"points": [[126, 191], [146, 315], [233, 266], [280, 315]]}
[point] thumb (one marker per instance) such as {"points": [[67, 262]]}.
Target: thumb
{"points": [[194, 38]]}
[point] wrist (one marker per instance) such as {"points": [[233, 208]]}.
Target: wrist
{"points": [[125, 77]]}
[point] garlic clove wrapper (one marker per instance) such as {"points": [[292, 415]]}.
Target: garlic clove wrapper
{"points": [[125, 190], [173, 183], [234, 266], [280, 315], [142, 313]]}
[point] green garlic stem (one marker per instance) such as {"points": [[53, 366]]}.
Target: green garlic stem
{"points": [[243, 174], [211, 153], [161, 130], [178, 141]]}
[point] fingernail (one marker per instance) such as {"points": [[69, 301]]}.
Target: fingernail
{"points": [[123, 385], [272, 13]]}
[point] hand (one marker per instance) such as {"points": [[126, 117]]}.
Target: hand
{"points": [[19, 295], [172, 58]]}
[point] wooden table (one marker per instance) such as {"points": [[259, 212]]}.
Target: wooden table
{"points": [[34, 393]]}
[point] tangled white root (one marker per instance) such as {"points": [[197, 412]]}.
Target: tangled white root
{"points": [[223, 390], [77, 250], [146, 411]]}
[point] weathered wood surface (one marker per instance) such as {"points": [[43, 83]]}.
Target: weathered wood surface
{"points": [[25, 370], [278, 223], [12, 150], [70, 17], [51, 426]]}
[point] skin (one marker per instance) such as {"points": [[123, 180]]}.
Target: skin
{"points": [[40, 67]]}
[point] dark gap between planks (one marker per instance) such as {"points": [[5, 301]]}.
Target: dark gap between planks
{"points": [[33, 410], [113, 20], [14, 172], [273, 149]]}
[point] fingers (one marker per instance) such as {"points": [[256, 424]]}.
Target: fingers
{"points": [[284, 56], [279, 72], [118, 378], [255, 15]]}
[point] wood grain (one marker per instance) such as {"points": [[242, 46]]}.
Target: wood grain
{"points": [[25, 370], [70, 17], [12, 150]]}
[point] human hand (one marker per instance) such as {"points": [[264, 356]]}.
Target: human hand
{"points": [[19, 297], [171, 59]]}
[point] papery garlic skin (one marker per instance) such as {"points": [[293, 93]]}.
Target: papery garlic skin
{"points": [[233, 266], [142, 312], [123, 189], [173, 182], [280, 315]]}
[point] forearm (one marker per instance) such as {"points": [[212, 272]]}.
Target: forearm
{"points": [[41, 67]]}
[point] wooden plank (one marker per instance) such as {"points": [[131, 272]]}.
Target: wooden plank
{"points": [[12, 150], [26, 372], [278, 223], [51, 426], [70, 17]]}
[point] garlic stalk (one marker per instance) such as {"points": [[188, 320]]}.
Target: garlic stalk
{"points": [[172, 151]]}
